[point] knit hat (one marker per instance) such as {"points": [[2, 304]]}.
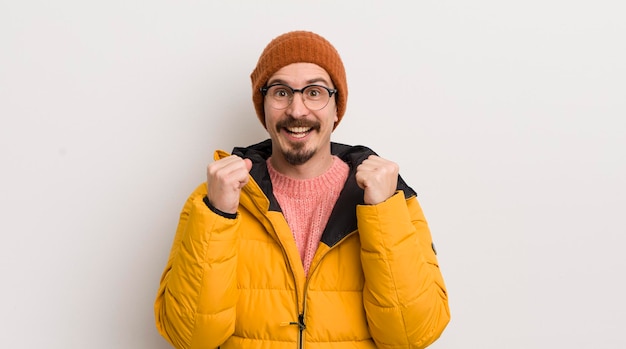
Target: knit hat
{"points": [[299, 47]]}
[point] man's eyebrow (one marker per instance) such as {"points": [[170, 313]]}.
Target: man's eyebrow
{"points": [[308, 82], [316, 80], [276, 81]]}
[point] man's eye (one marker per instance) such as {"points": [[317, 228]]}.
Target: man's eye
{"points": [[281, 93], [315, 92]]}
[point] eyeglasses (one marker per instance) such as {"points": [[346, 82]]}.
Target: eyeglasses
{"points": [[314, 97]]}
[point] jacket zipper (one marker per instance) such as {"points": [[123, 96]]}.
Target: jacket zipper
{"points": [[301, 328], [300, 323]]}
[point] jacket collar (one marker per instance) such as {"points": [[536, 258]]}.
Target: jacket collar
{"points": [[342, 220]]}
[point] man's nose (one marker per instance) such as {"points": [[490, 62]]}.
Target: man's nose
{"points": [[297, 108]]}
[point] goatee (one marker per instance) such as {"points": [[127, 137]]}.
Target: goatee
{"points": [[297, 155]]}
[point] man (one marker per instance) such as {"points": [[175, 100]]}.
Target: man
{"points": [[297, 242]]}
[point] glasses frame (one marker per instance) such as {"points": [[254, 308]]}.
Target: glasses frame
{"points": [[331, 92]]}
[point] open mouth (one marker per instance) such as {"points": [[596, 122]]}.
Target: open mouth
{"points": [[298, 132]]}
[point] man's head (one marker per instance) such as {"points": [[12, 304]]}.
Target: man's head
{"points": [[299, 47]]}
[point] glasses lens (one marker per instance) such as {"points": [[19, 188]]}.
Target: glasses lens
{"points": [[315, 97], [279, 96]]}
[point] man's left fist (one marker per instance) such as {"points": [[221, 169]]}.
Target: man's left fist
{"points": [[378, 177]]}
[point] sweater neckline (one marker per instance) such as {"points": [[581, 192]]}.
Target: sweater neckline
{"points": [[332, 178]]}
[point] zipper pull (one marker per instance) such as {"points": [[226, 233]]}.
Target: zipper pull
{"points": [[300, 323]]}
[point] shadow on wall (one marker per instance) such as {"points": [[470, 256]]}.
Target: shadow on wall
{"points": [[241, 127]]}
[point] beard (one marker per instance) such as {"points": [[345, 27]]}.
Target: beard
{"points": [[297, 154]]}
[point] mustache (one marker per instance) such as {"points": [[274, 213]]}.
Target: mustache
{"points": [[291, 122]]}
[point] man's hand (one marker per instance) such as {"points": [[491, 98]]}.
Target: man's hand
{"points": [[378, 177], [225, 178]]}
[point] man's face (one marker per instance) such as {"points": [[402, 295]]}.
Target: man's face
{"points": [[299, 134]]}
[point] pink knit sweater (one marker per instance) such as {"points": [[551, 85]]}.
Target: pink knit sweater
{"points": [[307, 204]]}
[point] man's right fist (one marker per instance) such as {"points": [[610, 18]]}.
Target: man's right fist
{"points": [[225, 178]]}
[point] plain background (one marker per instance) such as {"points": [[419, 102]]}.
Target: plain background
{"points": [[507, 118]]}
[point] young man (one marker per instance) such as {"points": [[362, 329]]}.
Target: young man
{"points": [[297, 242]]}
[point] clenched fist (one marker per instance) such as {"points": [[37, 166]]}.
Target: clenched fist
{"points": [[378, 177], [225, 178]]}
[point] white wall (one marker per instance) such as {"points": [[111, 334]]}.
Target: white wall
{"points": [[508, 118]]}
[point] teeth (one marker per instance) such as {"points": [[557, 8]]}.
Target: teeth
{"points": [[298, 129]]}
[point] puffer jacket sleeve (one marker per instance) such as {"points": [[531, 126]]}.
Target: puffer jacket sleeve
{"points": [[195, 304], [404, 296]]}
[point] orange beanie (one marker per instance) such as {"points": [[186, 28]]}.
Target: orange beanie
{"points": [[299, 47]]}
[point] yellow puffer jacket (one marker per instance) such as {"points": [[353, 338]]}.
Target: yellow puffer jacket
{"points": [[239, 283]]}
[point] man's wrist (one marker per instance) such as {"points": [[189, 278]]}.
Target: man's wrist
{"points": [[217, 211]]}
